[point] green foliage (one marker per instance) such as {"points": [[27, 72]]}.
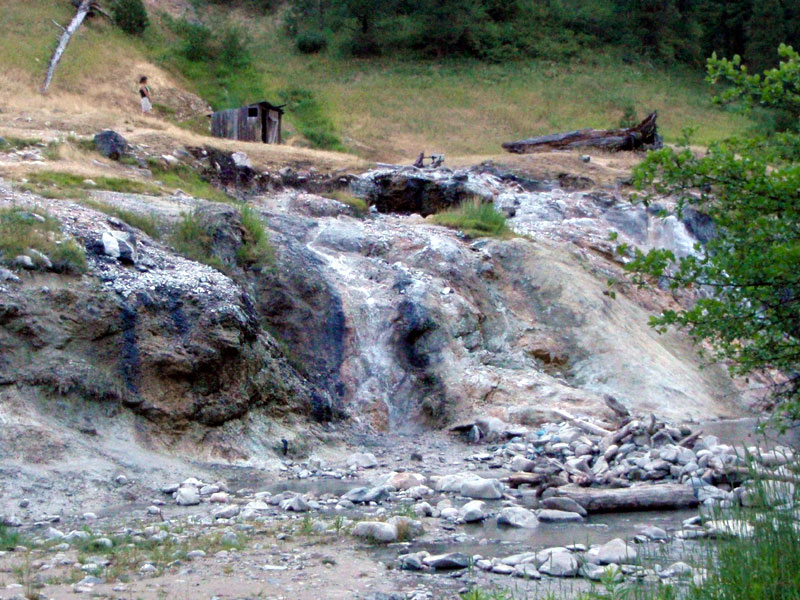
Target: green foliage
{"points": [[22, 230], [10, 539], [16, 143], [310, 118], [226, 47], [752, 316], [193, 241], [130, 16], [58, 184], [495, 30], [777, 89], [311, 42], [359, 205], [764, 565], [475, 219], [184, 178], [255, 250]]}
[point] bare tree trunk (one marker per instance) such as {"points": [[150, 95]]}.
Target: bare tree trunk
{"points": [[633, 138], [642, 497], [83, 10]]}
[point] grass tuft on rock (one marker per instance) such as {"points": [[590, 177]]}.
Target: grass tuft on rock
{"points": [[475, 219], [22, 231], [147, 223], [359, 205], [256, 250], [192, 240], [183, 178], [57, 184]]}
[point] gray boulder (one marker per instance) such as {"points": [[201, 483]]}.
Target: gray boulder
{"points": [[364, 460], [444, 562], [376, 531], [548, 515], [111, 144], [473, 511], [525, 571], [616, 551], [516, 516], [557, 562], [362, 495], [484, 489], [187, 496], [565, 504]]}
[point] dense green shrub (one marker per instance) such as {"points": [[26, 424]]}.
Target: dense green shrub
{"points": [[234, 48], [196, 42], [311, 42], [130, 16], [309, 117]]}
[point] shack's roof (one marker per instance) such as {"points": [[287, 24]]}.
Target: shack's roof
{"points": [[262, 104]]}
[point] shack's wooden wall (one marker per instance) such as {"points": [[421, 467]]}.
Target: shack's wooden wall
{"points": [[236, 125]]}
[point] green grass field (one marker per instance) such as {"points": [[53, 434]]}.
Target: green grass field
{"points": [[388, 108]]}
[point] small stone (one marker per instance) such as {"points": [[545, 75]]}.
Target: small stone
{"points": [[525, 571], [24, 262], [227, 512]]}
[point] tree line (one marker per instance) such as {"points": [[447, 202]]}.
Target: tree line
{"points": [[661, 30]]}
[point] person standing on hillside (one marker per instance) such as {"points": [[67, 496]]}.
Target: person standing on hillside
{"points": [[144, 92]]}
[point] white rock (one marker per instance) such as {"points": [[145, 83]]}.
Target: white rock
{"points": [[187, 495], [364, 460], [473, 511], [485, 489], [615, 551], [557, 562], [516, 516], [376, 530], [241, 160]]}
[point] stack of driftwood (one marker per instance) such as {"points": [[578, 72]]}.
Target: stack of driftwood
{"points": [[641, 464]]}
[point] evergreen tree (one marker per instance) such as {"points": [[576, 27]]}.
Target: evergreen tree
{"points": [[765, 30]]}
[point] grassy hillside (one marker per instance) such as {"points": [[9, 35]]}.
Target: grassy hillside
{"points": [[384, 109]]}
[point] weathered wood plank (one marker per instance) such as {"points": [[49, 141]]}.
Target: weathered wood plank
{"points": [[667, 496]]}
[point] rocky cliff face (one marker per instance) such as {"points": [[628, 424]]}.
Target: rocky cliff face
{"points": [[434, 326], [384, 320], [175, 342]]}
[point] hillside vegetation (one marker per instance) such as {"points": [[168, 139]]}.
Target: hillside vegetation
{"points": [[384, 108]]}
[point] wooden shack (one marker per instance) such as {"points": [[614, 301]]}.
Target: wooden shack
{"points": [[259, 122]]}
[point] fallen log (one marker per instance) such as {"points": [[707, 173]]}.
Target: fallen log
{"points": [[83, 9], [643, 135], [580, 424], [667, 496]]}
